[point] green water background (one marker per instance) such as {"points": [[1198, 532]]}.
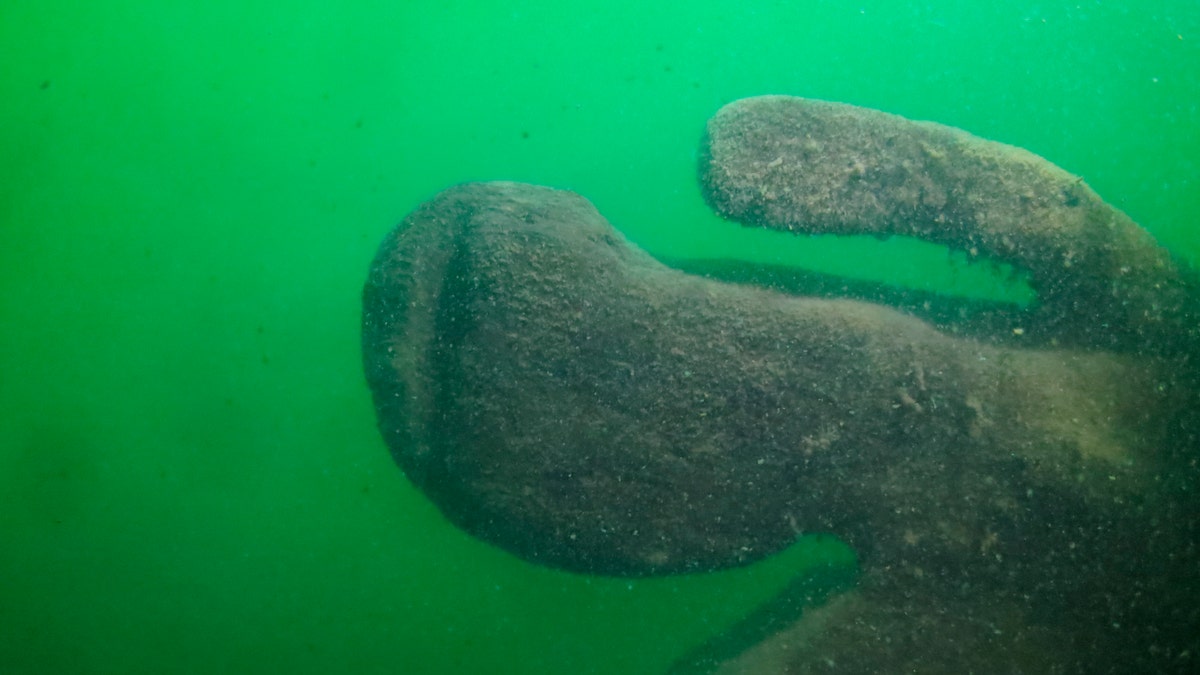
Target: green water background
{"points": [[190, 476]]}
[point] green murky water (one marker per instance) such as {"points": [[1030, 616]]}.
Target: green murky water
{"points": [[190, 476]]}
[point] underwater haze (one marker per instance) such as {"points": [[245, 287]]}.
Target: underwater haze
{"points": [[191, 476]]}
